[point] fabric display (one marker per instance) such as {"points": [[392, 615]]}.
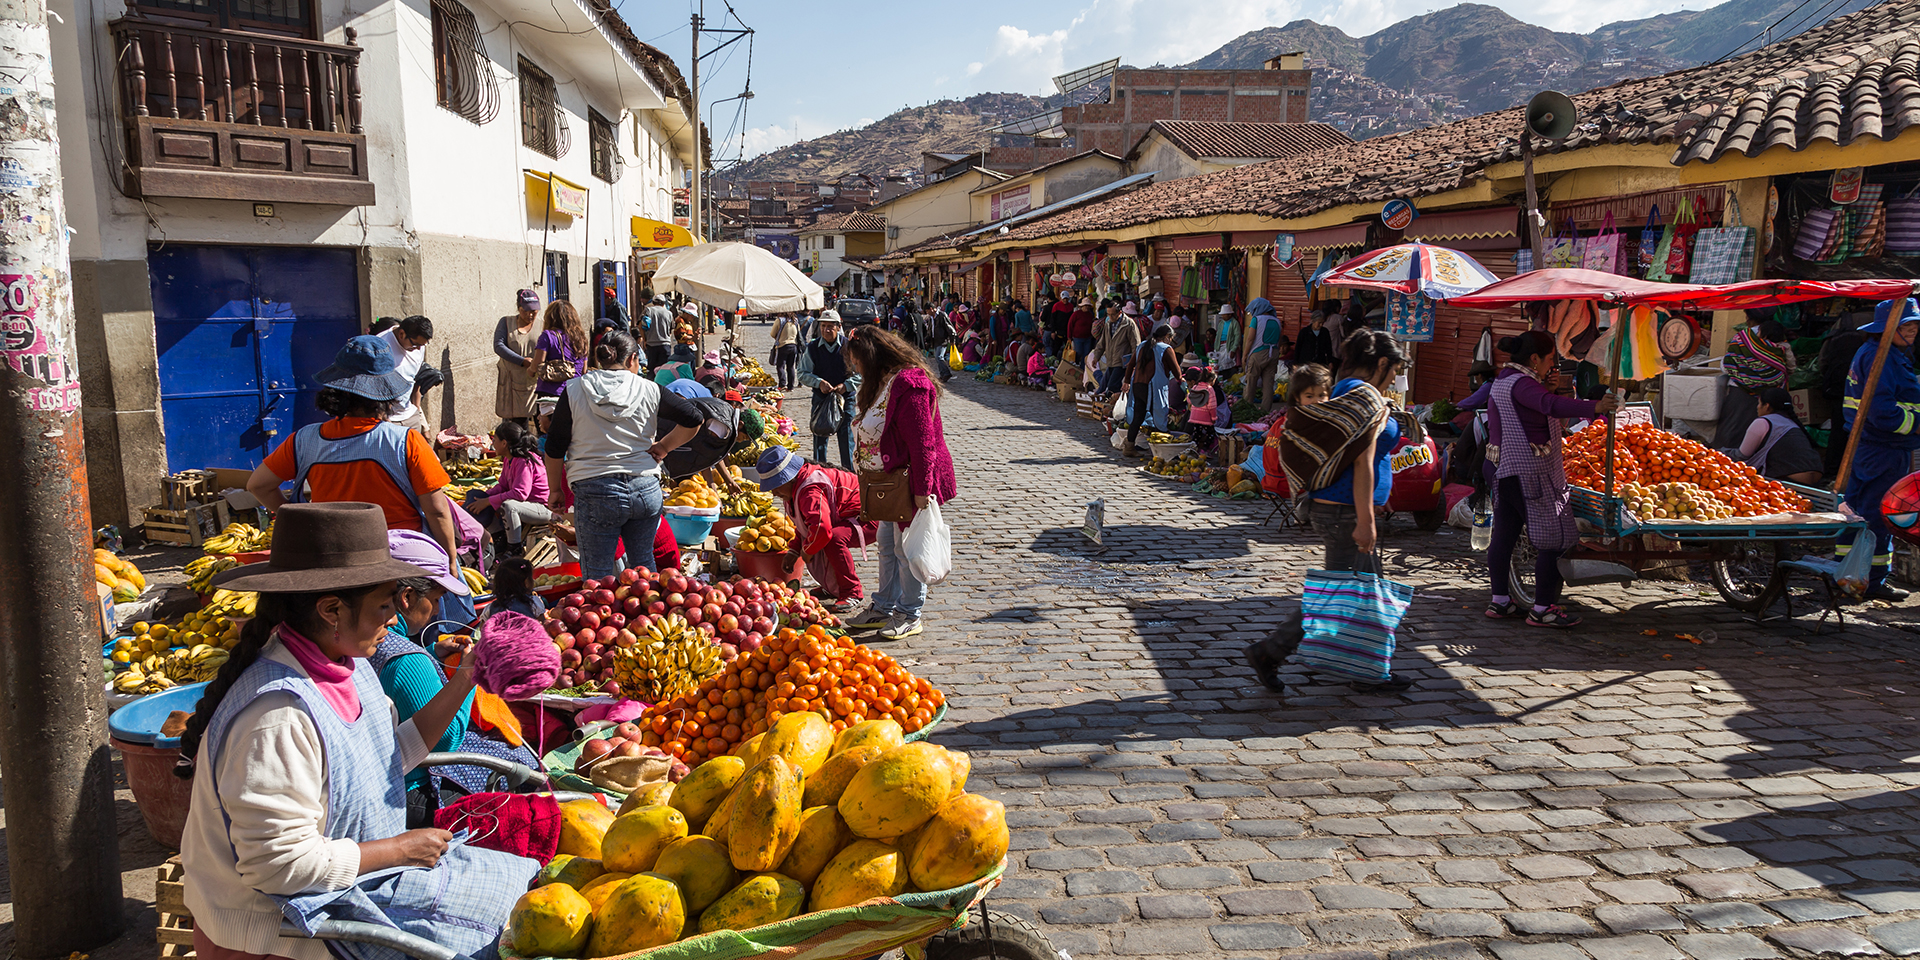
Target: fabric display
{"points": [[1817, 228], [1867, 222], [1651, 237], [1725, 254], [1564, 251], [1602, 250], [1190, 282], [1903, 226], [1523, 260], [1410, 316], [1637, 329], [1568, 320], [1839, 243]]}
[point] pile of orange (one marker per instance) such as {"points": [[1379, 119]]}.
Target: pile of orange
{"points": [[1647, 454], [795, 671]]}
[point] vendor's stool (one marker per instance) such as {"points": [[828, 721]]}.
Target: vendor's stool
{"points": [[1827, 572], [1283, 508]]}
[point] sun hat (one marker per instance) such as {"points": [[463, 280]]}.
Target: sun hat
{"points": [[690, 310], [1130, 310], [527, 298], [1909, 313], [1480, 368], [777, 468], [412, 546], [1226, 310], [712, 357], [322, 546], [1159, 298], [364, 367]]}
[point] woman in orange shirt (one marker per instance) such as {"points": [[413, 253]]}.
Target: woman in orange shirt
{"points": [[360, 456]]}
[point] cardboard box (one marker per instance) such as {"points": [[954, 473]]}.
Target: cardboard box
{"points": [[1811, 407], [107, 615]]}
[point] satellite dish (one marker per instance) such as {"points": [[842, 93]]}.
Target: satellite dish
{"points": [[1551, 115]]}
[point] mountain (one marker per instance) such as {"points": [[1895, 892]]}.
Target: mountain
{"points": [[892, 144], [1464, 60]]}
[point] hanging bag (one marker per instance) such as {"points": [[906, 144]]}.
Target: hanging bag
{"points": [[1724, 254], [1662, 251], [1602, 251], [1818, 225], [1649, 249], [1903, 226], [1680, 252], [1350, 619], [1564, 250]]}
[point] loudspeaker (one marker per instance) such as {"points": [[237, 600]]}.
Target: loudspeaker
{"points": [[1551, 115]]}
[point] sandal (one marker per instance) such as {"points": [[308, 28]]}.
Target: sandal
{"points": [[1554, 616], [1505, 611]]}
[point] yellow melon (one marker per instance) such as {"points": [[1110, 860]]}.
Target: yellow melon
{"points": [[635, 840], [700, 866], [804, 738], [897, 792], [822, 835], [864, 870], [764, 816], [643, 911], [601, 887], [826, 785], [964, 841], [885, 733], [759, 899], [583, 825], [701, 791], [550, 921]]}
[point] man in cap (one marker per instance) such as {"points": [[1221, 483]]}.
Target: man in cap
{"points": [[658, 332], [407, 342], [1889, 432], [1115, 343], [825, 371]]}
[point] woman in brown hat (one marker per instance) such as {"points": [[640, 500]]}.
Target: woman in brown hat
{"points": [[298, 765]]}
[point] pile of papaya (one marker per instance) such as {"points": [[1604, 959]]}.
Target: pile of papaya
{"points": [[795, 820]]}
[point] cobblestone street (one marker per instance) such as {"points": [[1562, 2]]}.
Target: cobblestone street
{"points": [[1614, 791]]}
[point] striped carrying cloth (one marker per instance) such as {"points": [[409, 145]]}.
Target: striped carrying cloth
{"points": [[1318, 443]]}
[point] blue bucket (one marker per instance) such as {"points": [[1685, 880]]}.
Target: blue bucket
{"points": [[140, 721], [691, 525]]}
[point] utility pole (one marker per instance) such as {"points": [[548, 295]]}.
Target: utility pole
{"points": [[693, 206], [62, 840]]}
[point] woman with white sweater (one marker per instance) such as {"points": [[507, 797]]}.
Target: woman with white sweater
{"points": [[298, 765]]}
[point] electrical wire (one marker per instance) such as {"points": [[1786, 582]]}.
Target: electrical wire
{"points": [[1763, 33]]}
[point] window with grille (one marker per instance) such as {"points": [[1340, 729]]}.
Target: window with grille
{"points": [[605, 158], [826, 242], [539, 111], [462, 75]]}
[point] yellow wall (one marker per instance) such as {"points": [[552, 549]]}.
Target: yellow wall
{"points": [[931, 210], [866, 244]]}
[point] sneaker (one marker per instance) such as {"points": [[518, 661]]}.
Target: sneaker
{"points": [[870, 617], [1505, 611], [1394, 683], [900, 626], [1888, 592], [1554, 616]]}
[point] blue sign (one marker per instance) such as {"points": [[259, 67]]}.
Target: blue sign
{"points": [[1398, 214]]}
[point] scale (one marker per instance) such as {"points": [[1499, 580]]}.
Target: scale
{"points": [[1678, 336]]}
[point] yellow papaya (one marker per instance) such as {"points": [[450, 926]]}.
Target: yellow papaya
{"points": [[652, 795], [749, 750], [550, 921], [765, 815], [700, 792], [575, 872], [885, 733], [583, 824], [601, 887], [760, 899], [827, 784], [822, 834], [804, 738], [864, 870], [634, 841], [964, 841], [700, 866], [643, 911], [897, 792]]}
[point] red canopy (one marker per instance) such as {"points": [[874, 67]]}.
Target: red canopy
{"points": [[1575, 284]]}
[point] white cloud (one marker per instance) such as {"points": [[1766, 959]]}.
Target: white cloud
{"points": [[974, 67], [759, 140]]}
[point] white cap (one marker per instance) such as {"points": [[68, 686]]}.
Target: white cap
{"points": [[1226, 310], [829, 315]]}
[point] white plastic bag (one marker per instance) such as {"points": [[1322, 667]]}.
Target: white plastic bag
{"points": [[1856, 568], [929, 545]]}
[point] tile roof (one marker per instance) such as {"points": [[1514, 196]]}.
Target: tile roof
{"points": [[860, 221], [1853, 78], [1209, 138]]}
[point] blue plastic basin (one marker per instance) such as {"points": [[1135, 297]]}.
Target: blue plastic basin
{"points": [[140, 721]]}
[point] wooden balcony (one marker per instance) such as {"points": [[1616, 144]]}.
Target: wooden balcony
{"points": [[232, 115]]}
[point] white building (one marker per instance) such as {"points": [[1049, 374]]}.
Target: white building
{"points": [[250, 182]]}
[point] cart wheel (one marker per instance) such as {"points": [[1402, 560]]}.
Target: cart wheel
{"points": [[1430, 520], [1012, 939], [1749, 576], [1521, 571]]}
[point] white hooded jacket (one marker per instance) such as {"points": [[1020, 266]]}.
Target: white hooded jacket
{"points": [[615, 420]]}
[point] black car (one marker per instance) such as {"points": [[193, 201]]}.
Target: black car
{"points": [[854, 312]]}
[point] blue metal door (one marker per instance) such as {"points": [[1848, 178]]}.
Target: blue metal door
{"points": [[240, 332]]}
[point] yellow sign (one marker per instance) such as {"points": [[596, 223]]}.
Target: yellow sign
{"points": [[656, 234], [556, 194]]}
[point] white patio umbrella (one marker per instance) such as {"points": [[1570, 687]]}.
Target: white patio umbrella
{"points": [[723, 275]]}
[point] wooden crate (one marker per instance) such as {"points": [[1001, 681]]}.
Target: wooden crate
{"points": [[1084, 406], [175, 930], [186, 489], [188, 527]]}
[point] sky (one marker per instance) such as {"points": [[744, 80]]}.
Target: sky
{"points": [[838, 64]]}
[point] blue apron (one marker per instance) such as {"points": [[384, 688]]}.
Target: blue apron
{"points": [[461, 903]]}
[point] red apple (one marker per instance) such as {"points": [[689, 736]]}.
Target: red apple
{"points": [[678, 583], [582, 638], [610, 688], [728, 651], [752, 642], [573, 599], [732, 607], [554, 628], [590, 619], [691, 615], [570, 616], [763, 624], [570, 658], [711, 610], [602, 596], [606, 636], [627, 638], [733, 636], [656, 607], [605, 610], [616, 620], [676, 599], [630, 576], [726, 622], [633, 605]]}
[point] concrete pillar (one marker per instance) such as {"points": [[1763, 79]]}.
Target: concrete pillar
{"points": [[120, 388]]}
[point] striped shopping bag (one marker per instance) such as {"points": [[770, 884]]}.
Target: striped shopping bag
{"points": [[1903, 226], [1815, 228], [1350, 619]]}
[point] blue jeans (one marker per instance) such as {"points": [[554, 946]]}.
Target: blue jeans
{"points": [[1113, 378], [610, 509], [1081, 347], [845, 433], [899, 592]]}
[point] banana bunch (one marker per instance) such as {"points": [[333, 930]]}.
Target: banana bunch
{"points": [[670, 659], [748, 455], [475, 582], [750, 503], [464, 469], [200, 571], [230, 603], [196, 664], [239, 538], [752, 374]]}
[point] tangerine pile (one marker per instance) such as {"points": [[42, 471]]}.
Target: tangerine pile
{"points": [[1646, 454], [794, 672]]}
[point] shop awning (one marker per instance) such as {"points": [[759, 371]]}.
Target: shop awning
{"points": [[659, 234], [557, 194], [1062, 255], [1345, 235], [1204, 243], [1465, 224], [829, 273], [1253, 239]]}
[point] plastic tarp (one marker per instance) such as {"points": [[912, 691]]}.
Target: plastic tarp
{"points": [[721, 275], [1577, 284]]}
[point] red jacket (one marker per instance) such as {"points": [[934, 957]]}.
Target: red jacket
{"points": [[822, 497]]}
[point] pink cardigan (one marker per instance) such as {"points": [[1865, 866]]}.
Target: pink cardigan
{"points": [[914, 438]]}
